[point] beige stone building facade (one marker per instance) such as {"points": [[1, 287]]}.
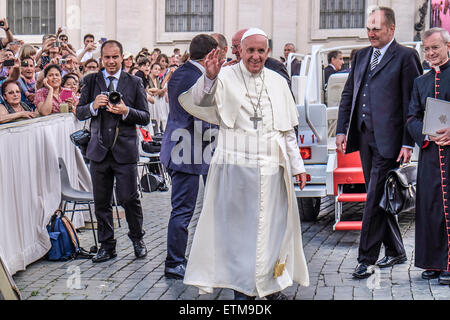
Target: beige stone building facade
{"points": [[167, 24]]}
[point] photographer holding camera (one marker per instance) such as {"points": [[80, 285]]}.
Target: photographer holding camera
{"points": [[9, 36], [116, 102]]}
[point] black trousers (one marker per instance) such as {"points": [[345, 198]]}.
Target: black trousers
{"points": [[103, 174], [378, 227]]}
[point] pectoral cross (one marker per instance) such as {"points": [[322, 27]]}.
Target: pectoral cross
{"points": [[255, 120]]}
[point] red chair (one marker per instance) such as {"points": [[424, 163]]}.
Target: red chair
{"points": [[348, 171]]}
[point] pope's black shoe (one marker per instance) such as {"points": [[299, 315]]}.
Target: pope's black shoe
{"points": [[277, 296], [363, 271], [389, 261], [175, 273], [140, 250], [430, 274], [104, 255], [444, 278]]}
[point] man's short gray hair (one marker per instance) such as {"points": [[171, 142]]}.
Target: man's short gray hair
{"points": [[290, 44], [444, 34], [221, 40]]}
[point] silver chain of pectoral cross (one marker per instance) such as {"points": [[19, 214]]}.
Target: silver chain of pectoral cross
{"points": [[256, 118]]}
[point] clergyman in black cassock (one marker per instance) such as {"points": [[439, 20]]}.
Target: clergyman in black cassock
{"points": [[432, 248]]}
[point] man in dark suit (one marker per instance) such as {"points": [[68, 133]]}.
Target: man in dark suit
{"points": [[372, 119], [296, 65], [335, 63], [113, 148], [182, 153]]}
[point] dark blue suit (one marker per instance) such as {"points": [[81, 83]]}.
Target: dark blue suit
{"points": [[109, 159], [373, 113], [183, 135]]}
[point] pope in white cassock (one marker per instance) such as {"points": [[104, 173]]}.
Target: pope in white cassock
{"points": [[248, 236]]}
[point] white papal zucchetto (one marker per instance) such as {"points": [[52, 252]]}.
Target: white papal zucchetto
{"points": [[253, 32]]}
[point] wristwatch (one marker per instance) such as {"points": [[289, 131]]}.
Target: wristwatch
{"points": [[6, 30]]}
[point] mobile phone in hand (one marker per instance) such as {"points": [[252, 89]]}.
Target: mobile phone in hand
{"points": [[65, 94], [8, 63]]}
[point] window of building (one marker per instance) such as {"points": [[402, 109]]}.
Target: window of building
{"points": [[29, 17], [189, 15], [342, 14]]}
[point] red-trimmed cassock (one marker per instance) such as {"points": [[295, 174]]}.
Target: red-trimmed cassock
{"points": [[433, 177]]}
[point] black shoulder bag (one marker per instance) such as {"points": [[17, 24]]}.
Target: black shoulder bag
{"points": [[82, 137], [400, 190]]}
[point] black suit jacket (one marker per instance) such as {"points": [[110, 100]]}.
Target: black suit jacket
{"points": [[295, 67], [179, 120], [328, 72], [390, 93], [278, 67], [126, 149]]}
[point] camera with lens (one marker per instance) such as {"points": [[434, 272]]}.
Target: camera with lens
{"points": [[2, 23], [114, 97]]}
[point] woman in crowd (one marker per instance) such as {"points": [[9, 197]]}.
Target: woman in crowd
{"points": [[144, 70], [128, 62], [154, 56], [48, 99], [164, 78], [72, 82], [153, 95], [13, 109], [163, 61]]}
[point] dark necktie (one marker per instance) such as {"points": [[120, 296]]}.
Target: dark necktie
{"points": [[107, 120], [111, 83], [375, 60]]}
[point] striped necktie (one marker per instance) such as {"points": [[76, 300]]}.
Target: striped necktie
{"points": [[375, 61]]}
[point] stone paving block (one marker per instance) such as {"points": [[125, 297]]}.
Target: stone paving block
{"points": [[343, 293], [324, 293], [331, 257]]}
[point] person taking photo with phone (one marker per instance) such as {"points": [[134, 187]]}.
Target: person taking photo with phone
{"points": [[9, 35], [49, 99]]}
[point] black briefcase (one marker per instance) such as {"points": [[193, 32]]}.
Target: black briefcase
{"points": [[400, 190]]}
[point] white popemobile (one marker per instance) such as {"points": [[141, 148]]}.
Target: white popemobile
{"points": [[329, 173]]}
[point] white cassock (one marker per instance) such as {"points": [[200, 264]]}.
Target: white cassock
{"points": [[248, 237]]}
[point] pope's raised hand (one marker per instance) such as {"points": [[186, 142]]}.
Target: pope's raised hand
{"points": [[213, 64]]}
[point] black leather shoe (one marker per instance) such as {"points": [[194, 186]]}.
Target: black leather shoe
{"points": [[430, 274], [175, 273], [389, 261], [242, 297], [140, 250], [277, 296], [363, 271], [444, 278], [83, 254], [104, 255]]}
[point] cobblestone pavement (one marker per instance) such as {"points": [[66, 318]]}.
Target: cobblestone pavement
{"points": [[331, 259]]}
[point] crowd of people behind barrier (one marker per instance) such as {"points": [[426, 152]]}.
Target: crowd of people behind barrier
{"points": [[49, 78]]}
